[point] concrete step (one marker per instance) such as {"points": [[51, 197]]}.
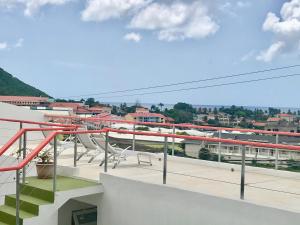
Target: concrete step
{"points": [[27, 203], [8, 215]]}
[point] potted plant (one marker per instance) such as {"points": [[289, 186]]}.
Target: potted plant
{"points": [[44, 166]]}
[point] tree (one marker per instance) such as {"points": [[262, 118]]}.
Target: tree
{"points": [[91, 102], [161, 105], [184, 107], [204, 154], [274, 111]]}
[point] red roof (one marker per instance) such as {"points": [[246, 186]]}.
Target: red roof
{"points": [[259, 124], [73, 105], [285, 115], [273, 119], [146, 114], [22, 99]]}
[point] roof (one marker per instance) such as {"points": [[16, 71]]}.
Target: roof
{"points": [[146, 114], [23, 98], [273, 119], [73, 105], [255, 138], [285, 115], [259, 124]]}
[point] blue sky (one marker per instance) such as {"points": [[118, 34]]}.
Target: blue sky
{"points": [[78, 47]]}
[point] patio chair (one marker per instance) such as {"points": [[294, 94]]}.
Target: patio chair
{"points": [[90, 145], [62, 145], [118, 154]]}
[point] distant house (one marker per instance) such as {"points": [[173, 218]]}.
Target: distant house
{"points": [[259, 124], [146, 117], [25, 100], [100, 109], [142, 110], [71, 106], [287, 117]]}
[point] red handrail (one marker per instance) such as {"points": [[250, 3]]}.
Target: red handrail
{"points": [[36, 123], [19, 134], [180, 125], [49, 138]]}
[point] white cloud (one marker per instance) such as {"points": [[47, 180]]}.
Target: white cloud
{"points": [[100, 10], [31, 6], [133, 37], [248, 56], [286, 29], [176, 21], [19, 43], [232, 8], [3, 45], [270, 53]]}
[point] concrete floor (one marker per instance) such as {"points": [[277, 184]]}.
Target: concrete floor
{"points": [[267, 187]]}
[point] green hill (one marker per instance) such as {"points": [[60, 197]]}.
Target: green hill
{"points": [[10, 85]]}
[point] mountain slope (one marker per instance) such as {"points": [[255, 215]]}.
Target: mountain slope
{"points": [[10, 85]]}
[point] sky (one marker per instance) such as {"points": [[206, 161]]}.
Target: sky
{"points": [[86, 47]]}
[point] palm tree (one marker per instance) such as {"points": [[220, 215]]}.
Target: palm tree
{"points": [[161, 105]]}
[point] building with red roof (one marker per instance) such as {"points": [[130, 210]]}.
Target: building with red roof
{"points": [[146, 117], [25, 100]]}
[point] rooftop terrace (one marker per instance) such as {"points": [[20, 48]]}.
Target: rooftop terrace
{"points": [[276, 189]]}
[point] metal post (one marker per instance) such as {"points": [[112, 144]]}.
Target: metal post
{"points": [[20, 140], [173, 141], [133, 139], [54, 164], [219, 147], [165, 161], [106, 152], [18, 197], [243, 173], [24, 156], [75, 150], [276, 153]]}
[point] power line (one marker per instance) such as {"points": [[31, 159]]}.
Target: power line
{"points": [[187, 82], [208, 86]]}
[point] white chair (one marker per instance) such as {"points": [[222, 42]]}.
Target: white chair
{"points": [[115, 154], [61, 145], [90, 145], [118, 154]]}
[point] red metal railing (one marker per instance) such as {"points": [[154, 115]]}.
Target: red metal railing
{"points": [[49, 138], [209, 128], [36, 123], [21, 132]]}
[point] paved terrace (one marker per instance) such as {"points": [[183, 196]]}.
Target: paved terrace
{"points": [[267, 187]]}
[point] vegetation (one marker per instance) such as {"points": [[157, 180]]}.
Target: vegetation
{"points": [[205, 154], [142, 128], [10, 85]]}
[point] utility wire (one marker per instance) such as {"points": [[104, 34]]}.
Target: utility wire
{"points": [[187, 82], [208, 86]]}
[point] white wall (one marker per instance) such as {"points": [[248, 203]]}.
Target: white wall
{"points": [[8, 129], [129, 202], [65, 212]]}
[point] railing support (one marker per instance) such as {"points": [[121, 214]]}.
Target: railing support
{"points": [[276, 153], [242, 194], [18, 197], [219, 147], [20, 140], [173, 142], [133, 139], [24, 156], [165, 161], [75, 150], [106, 152], [54, 163]]}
